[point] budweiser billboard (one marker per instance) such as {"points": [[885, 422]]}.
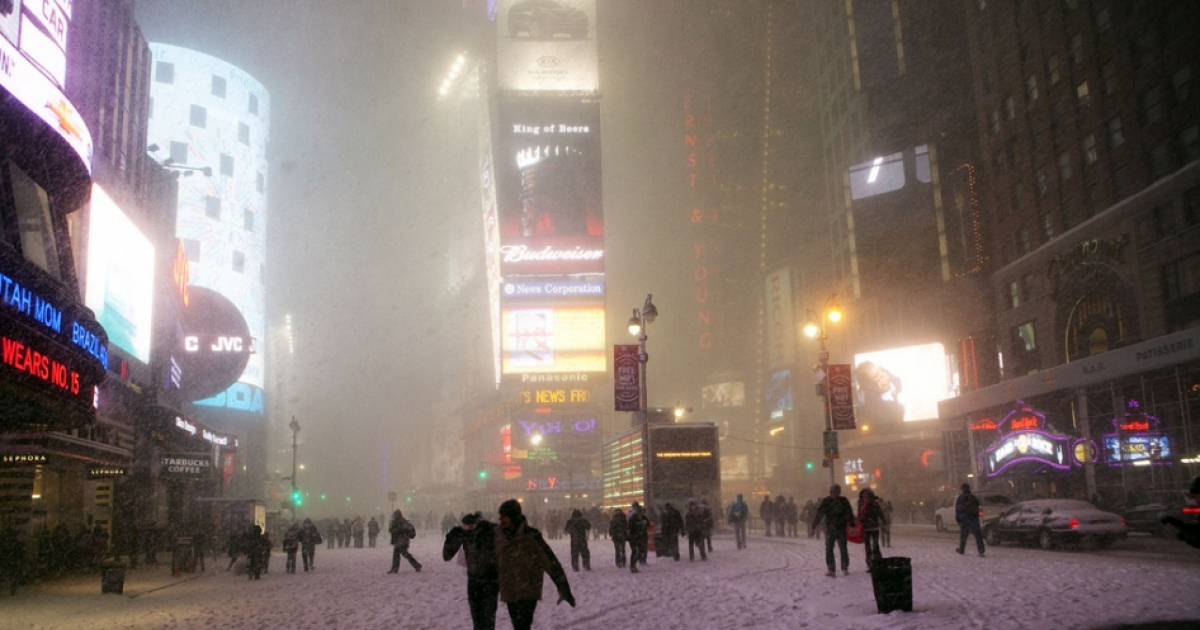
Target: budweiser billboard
{"points": [[627, 386], [841, 397]]}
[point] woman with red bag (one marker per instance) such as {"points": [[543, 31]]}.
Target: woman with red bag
{"points": [[872, 518]]}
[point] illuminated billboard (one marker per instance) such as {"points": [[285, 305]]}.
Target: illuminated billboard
{"points": [[211, 115], [780, 394], [719, 395], [562, 339], [548, 188], [547, 46], [886, 173], [902, 384], [33, 66], [120, 276]]}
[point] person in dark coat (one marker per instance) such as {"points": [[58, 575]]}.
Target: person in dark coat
{"points": [[257, 548], [310, 537], [836, 513], [739, 513], [807, 515], [618, 531], [476, 538], [793, 518], [766, 512], [871, 515], [372, 532], [780, 515], [291, 545], [966, 512], [709, 522], [577, 528], [694, 523], [523, 557], [639, 532], [672, 529], [402, 532]]}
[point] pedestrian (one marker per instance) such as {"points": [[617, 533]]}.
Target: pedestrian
{"points": [[577, 528], [310, 537], [966, 512], [871, 515], [372, 531], [331, 534], [672, 529], [639, 531], [358, 531], [523, 557], [476, 538], [793, 517], [885, 532], [780, 514], [233, 546], [766, 512], [807, 515], [739, 513], [618, 531], [402, 532], [694, 523], [291, 545], [707, 522], [257, 548], [836, 513]]}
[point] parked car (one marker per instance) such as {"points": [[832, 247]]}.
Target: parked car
{"points": [[1148, 509], [991, 504], [543, 19], [1055, 522]]}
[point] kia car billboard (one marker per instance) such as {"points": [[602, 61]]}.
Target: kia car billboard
{"points": [[548, 188], [901, 384], [120, 276], [547, 46]]}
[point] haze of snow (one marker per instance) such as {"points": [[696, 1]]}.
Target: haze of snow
{"points": [[773, 584]]}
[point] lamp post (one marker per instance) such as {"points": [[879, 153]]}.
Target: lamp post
{"points": [[638, 324], [815, 328], [295, 427]]}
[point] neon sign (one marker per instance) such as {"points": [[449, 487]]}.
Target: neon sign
{"points": [[1137, 439], [22, 358], [1026, 440]]}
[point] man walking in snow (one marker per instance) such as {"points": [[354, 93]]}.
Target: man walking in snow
{"points": [[639, 532], [402, 532], [523, 557], [835, 510], [739, 513], [966, 512], [577, 528], [477, 539]]}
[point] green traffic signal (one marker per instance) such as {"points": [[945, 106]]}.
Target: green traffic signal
{"points": [[808, 466], [297, 498], [483, 474], [322, 496]]}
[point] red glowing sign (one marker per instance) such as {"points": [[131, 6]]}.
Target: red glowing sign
{"points": [[22, 358], [1023, 423], [987, 424], [1134, 425]]}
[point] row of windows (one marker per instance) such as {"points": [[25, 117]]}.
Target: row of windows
{"points": [[164, 72], [198, 117], [192, 248], [212, 210], [179, 155]]}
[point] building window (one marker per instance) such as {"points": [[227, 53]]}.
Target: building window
{"points": [[1089, 150], [1181, 278], [994, 121], [1189, 143], [243, 133], [1103, 21], [1160, 161], [1081, 92], [1163, 216], [1116, 137], [212, 207], [218, 86], [1031, 89], [1026, 340], [252, 107], [1182, 80], [1064, 166], [164, 72], [1151, 105], [1040, 180], [1024, 246], [1095, 199], [1077, 48], [34, 225], [1191, 206], [1047, 227], [1124, 181], [227, 165], [179, 152], [1015, 294], [191, 249], [1010, 109], [248, 220], [1110, 76], [1070, 213], [260, 183], [1037, 133], [1145, 47], [1053, 69], [198, 117], [239, 262]]}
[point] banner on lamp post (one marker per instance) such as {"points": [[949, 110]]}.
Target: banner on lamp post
{"points": [[841, 397], [627, 379]]}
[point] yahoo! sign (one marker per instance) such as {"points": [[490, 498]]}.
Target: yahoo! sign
{"points": [[585, 425]]}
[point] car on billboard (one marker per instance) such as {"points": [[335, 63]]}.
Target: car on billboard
{"points": [[543, 19], [1051, 523]]}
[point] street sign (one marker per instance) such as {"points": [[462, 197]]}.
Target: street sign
{"points": [[831, 445], [391, 496]]}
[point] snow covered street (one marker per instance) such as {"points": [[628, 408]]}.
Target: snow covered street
{"points": [[772, 584]]}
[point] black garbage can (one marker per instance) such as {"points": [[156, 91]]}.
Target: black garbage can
{"points": [[892, 579], [112, 578]]}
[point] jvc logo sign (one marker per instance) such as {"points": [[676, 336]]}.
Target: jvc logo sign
{"points": [[220, 344]]}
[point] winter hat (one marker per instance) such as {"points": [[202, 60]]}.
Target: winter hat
{"points": [[739, 497], [636, 505], [835, 489], [471, 519], [966, 487], [510, 508], [576, 513]]}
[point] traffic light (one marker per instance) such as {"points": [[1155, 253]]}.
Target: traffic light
{"points": [[808, 466], [322, 496], [482, 474], [297, 498]]}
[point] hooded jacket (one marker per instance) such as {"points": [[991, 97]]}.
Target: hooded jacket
{"points": [[577, 528], [479, 547], [523, 557]]}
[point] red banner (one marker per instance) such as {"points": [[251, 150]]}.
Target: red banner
{"points": [[841, 397], [627, 380]]}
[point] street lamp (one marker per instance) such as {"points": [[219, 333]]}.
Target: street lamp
{"points": [[815, 328], [295, 427], [638, 324]]}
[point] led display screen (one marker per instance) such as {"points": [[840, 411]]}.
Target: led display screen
{"points": [[553, 339], [887, 173], [548, 188], [1136, 447], [120, 276], [547, 46], [720, 395], [779, 394], [222, 218], [902, 384]]}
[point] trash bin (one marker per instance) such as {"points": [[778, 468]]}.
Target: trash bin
{"points": [[892, 580], [112, 578]]}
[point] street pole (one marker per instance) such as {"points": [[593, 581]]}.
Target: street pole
{"points": [[643, 409], [295, 427], [823, 359]]}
